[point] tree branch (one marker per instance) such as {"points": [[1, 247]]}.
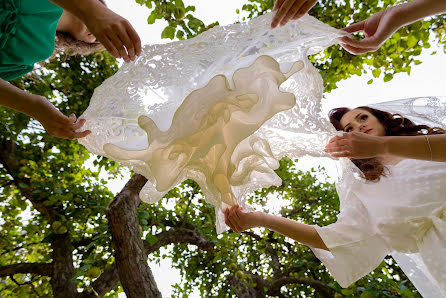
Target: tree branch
{"points": [[103, 284], [276, 284], [270, 250], [11, 163], [179, 235], [131, 260], [45, 269]]}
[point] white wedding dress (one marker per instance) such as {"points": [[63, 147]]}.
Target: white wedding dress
{"points": [[222, 108], [403, 214]]}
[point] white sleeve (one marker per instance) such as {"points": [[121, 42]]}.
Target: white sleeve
{"points": [[355, 247]]}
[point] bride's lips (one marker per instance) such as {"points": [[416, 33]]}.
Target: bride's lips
{"points": [[368, 130]]}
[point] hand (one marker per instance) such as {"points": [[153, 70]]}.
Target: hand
{"points": [[356, 145], [290, 10], [239, 220], [115, 33], [377, 29], [56, 123]]}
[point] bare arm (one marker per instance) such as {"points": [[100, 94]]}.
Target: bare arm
{"points": [[361, 145], [383, 24], [41, 109], [417, 147], [240, 220], [112, 30]]}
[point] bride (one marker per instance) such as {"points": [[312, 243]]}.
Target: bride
{"points": [[392, 201]]}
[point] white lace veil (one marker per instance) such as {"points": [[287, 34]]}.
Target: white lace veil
{"points": [[175, 87]]}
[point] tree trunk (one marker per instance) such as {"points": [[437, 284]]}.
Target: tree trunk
{"points": [[63, 268], [242, 289], [131, 261]]}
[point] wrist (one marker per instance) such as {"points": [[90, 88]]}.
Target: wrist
{"points": [[82, 9], [259, 219], [399, 16], [38, 107], [386, 146]]}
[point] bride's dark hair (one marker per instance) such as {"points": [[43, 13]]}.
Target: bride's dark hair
{"points": [[394, 124]]}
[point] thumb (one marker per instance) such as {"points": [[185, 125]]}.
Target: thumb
{"points": [[355, 27]]}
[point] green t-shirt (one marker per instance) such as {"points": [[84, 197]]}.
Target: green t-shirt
{"points": [[27, 35]]}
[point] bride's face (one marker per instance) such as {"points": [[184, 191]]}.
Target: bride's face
{"points": [[362, 121]]}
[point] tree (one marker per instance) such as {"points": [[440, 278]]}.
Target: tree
{"points": [[65, 234]]}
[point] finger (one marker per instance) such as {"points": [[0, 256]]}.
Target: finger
{"points": [[281, 12], [72, 118], [336, 149], [232, 223], [227, 220], [135, 39], [78, 124], [365, 43], [109, 46], [278, 4], [304, 9], [355, 27], [76, 135], [287, 11], [125, 39], [341, 154], [334, 139], [237, 214], [119, 45], [290, 14], [356, 51]]}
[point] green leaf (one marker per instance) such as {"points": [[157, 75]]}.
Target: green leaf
{"points": [[411, 41], [152, 18], [168, 32], [152, 239], [348, 291], [388, 77], [370, 81], [23, 185], [376, 72]]}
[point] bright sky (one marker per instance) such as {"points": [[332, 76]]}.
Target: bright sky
{"points": [[426, 79]]}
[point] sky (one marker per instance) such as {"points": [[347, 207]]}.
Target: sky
{"points": [[426, 79]]}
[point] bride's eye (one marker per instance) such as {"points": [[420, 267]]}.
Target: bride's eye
{"points": [[348, 129], [364, 117]]}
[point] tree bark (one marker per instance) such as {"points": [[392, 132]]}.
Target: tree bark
{"points": [[103, 284], [131, 260], [44, 269], [63, 268], [242, 289]]}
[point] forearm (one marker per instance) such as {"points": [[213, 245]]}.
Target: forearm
{"points": [[415, 10], [17, 99], [417, 147], [300, 232], [83, 9]]}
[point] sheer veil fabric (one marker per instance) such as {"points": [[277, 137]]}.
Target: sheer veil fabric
{"points": [[222, 108]]}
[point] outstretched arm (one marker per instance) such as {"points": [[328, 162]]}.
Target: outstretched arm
{"points": [[383, 24], [112, 30], [239, 220], [360, 145], [38, 107]]}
